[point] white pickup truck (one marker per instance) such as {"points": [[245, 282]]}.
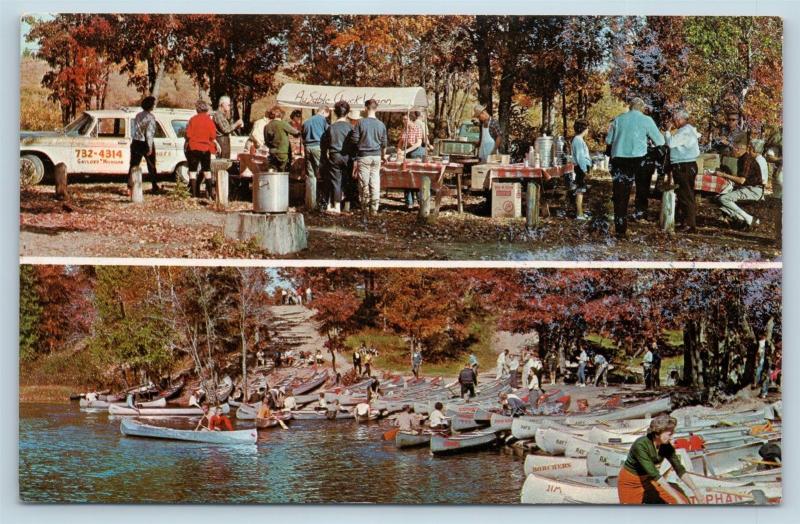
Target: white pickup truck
{"points": [[98, 143]]}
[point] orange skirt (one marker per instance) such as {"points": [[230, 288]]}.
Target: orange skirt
{"points": [[635, 489]]}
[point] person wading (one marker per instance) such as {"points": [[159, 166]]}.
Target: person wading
{"points": [[639, 479]]}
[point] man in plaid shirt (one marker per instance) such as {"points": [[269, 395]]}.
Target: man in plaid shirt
{"points": [[142, 146], [412, 147]]}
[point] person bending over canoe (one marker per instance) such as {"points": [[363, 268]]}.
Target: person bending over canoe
{"points": [[219, 421], [289, 403], [264, 412], [639, 480]]}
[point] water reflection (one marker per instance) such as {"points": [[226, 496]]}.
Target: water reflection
{"points": [[69, 456]]}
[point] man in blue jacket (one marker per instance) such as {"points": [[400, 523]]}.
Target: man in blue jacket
{"points": [[313, 129], [627, 137]]}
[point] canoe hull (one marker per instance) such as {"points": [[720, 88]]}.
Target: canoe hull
{"points": [[137, 429], [410, 440], [441, 445]]}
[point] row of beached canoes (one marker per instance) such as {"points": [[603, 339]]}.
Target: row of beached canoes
{"points": [[579, 463]]}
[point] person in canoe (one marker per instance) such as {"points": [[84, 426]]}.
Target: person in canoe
{"points": [[639, 479], [289, 403], [264, 412], [322, 404], [407, 421], [204, 420], [219, 421], [373, 389], [437, 420]]}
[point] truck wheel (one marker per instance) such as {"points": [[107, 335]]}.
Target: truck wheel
{"points": [[182, 173], [31, 170]]}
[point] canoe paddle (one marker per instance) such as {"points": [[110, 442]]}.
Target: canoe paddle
{"points": [[284, 426]]}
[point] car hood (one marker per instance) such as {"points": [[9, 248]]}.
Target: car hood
{"points": [[36, 134]]}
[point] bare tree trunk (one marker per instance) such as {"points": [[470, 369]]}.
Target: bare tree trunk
{"points": [[155, 81], [481, 41]]}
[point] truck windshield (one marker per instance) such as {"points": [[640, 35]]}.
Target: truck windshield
{"points": [[80, 126]]}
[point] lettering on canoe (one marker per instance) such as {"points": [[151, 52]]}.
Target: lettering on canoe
{"points": [[451, 444], [553, 488], [553, 467]]}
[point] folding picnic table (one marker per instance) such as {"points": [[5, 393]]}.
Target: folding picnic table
{"points": [[423, 176]]}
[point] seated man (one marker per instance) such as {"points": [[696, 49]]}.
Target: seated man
{"points": [[407, 421], [219, 421], [749, 186], [437, 420]]}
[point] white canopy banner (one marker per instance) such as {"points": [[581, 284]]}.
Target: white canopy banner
{"points": [[392, 99]]}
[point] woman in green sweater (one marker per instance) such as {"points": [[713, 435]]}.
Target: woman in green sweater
{"points": [[639, 479]]}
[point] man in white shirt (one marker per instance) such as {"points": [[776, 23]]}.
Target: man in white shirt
{"points": [[502, 364], [256, 139], [289, 403], [583, 358], [437, 420], [647, 364]]}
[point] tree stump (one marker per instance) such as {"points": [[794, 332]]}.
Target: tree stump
{"points": [[222, 189], [278, 234], [532, 207], [135, 183], [425, 198], [61, 181]]}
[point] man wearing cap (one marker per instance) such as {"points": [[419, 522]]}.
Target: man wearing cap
{"points": [[749, 180], [627, 136], [370, 140], [313, 129], [490, 140], [683, 152]]}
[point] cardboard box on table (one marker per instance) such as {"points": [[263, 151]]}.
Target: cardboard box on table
{"points": [[479, 176], [506, 200]]}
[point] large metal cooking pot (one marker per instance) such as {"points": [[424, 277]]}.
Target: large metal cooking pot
{"points": [[544, 147], [270, 192]]}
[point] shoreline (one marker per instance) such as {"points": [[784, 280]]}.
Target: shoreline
{"points": [[45, 394]]}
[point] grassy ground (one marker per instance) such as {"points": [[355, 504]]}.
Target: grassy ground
{"points": [[394, 355], [47, 394]]}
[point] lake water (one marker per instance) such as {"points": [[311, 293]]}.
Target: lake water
{"points": [[69, 456]]}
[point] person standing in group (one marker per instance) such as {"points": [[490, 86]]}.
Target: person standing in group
{"points": [[473, 362], [412, 147], [357, 359], [583, 358], [370, 140], [308, 295], [627, 136], [416, 362], [749, 183], [490, 140], [534, 391], [201, 142], [639, 480], [583, 164], [313, 129], [655, 376], [276, 138], [143, 145], [466, 379], [526, 369], [683, 152], [368, 364], [552, 364], [502, 364], [255, 140], [225, 126], [601, 370], [647, 366], [336, 154], [513, 371]]}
